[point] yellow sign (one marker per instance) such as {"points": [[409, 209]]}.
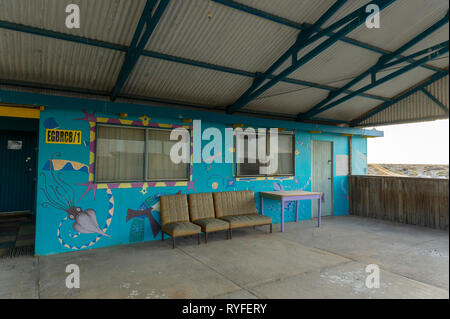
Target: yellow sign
{"points": [[62, 137]]}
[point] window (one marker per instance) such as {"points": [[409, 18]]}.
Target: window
{"points": [[286, 156], [127, 154]]}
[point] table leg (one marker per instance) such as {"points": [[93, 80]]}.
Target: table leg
{"points": [[296, 215], [320, 212], [282, 215], [262, 204]]}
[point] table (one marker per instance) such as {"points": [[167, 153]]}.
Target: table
{"points": [[286, 196]]}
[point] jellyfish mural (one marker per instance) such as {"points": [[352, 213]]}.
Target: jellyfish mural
{"points": [[60, 195]]}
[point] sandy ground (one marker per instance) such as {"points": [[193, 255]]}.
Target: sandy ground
{"points": [[411, 170]]}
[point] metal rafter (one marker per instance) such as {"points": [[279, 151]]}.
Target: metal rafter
{"points": [[303, 26], [435, 100], [164, 101], [162, 56], [345, 26], [382, 63], [387, 78], [437, 76], [149, 21], [303, 39]]}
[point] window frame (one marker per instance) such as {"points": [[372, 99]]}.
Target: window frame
{"points": [[145, 168], [235, 164]]}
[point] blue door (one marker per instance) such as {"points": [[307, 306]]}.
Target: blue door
{"points": [[18, 152]]}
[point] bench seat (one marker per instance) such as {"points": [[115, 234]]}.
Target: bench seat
{"points": [[209, 225], [201, 210], [175, 218], [248, 220], [238, 208], [179, 229]]}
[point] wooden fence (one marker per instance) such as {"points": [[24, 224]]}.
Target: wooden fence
{"points": [[409, 200]]}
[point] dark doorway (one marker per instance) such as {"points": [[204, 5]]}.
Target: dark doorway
{"points": [[18, 154]]}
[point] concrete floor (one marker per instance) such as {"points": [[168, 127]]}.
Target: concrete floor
{"points": [[302, 262]]}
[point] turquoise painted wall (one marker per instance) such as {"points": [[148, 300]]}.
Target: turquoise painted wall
{"points": [[359, 155], [55, 233]]}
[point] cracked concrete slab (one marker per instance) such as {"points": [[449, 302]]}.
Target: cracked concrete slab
{"points": [[302, 262], [347, 281], [148, 270]]}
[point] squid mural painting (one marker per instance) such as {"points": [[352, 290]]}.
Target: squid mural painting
{"points": [[60, 195]]}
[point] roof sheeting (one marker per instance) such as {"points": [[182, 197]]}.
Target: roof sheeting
{"points": [[230, 38], [29, 58], [107, 20], [417, 107], [175, 81]]}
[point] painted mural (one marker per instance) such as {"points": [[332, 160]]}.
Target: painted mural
{"points": [[100, 215], [60, 195]]}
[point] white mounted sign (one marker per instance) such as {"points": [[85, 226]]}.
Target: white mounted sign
{"points": [[342, 165]]}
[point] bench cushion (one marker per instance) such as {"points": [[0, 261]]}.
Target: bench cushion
{"points": [[234, 203], [201, 206], [247, 220], [181, 229], [212, 224], [174, 208]]}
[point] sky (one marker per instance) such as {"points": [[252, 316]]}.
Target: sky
{"points": [[416, 143]]}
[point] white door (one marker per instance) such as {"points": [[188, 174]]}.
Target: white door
{"points": [[322, 175]]}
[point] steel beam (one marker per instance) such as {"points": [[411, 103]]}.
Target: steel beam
{"points": [[303, 26], [437, 76], [165, 57], [415, 55], [353, 20], [148, 20], [385, 79], [381, 64], [60, 36], [162, 101], [303, 39], [435, 100]]}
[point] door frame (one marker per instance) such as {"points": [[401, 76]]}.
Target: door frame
{"points": [[21, 117], [35, 169], [332, 173]]}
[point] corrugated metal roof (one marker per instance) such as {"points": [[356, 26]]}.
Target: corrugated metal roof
{"points": [[350, 109], [25, 57], [343, 61], [305, 11], [398, 84], [108, 20], [162, 79], [437, 37], [401, 22], [287, 98], [230, 38], [416, 107]]}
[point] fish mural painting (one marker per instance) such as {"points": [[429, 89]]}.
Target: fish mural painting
{"points": [[145, 211], [61, 196]]}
